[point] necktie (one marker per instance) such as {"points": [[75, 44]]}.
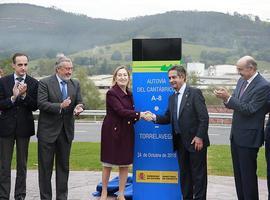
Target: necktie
{"points": [[63, 90], [20, 79], [175, 117], [243, 87]]}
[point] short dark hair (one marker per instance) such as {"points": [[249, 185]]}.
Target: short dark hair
{"points": [[18, 55], [181, 71]]}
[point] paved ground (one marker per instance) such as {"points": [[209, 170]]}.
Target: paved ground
{"points": [[82, 184]]}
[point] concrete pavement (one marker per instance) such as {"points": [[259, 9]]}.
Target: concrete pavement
{"points": [[83, 183]]}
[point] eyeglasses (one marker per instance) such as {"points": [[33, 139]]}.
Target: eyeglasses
{"points": [[68, 68]]}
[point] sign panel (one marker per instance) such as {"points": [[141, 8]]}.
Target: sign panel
{"points": [[155, 168]]}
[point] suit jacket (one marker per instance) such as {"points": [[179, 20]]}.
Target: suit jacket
{"points": [[193, 118], [52, 120], [249, 112], [17, 118], [267, 127]]}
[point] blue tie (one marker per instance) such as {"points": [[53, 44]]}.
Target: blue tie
{"points": [[63, 90], [175, 118]]}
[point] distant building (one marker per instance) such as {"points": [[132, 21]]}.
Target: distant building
{"points": [[196, 68], [102, 81], [222, 70]]}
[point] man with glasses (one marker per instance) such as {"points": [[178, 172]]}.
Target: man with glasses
{"points": [[18, 94], [59, 99]]}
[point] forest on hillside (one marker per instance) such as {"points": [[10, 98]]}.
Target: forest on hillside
{"points": [[42, 32]]}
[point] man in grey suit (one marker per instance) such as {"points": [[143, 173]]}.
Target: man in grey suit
{"points": [[249, 101], [59, 99]]}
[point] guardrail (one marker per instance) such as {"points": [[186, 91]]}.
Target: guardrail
{"points": [[214, 118], [87, 113], [98, 114], [103, 113]]}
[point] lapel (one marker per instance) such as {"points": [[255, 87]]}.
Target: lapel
{"points": [[241, 81], [11, 83], [171, 104], [56, 88], [184, 99], [251, 85], [27, 81], [70, 88]]}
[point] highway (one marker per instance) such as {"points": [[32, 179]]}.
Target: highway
{"points": [[90, 132]]}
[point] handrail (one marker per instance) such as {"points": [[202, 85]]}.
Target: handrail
{"points": [[103, 113], [85, 112], [221, 118]]}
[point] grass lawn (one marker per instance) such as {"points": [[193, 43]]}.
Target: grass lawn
{"points": [[85, 156], [220, 163]]}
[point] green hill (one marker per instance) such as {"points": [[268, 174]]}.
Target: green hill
{"points": [[98, 60], [44, 31], [210, 37]]}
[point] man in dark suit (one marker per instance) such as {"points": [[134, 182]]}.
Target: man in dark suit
{"points": [[18, 94], [247, 133], [267, 147], [59, 99], [188, 115]]}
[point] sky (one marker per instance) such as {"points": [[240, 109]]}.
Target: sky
{"points": [[124, 9]]}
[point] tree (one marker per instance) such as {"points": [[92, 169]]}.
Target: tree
{"points": [[90, 93], [82, 61], [263, 55], [45, 67], [116, 55], [51, 53], [5, 65], [193, 78], [104, 69], [128, 57]]}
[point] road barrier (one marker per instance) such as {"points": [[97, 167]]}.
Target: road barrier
{"points": [[98, 115]]}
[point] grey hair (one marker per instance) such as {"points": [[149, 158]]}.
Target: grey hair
{"points": [[251, 63], [248, 61], [61, 58]]}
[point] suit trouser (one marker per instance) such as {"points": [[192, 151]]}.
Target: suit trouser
{"points": [[267, 156], [47, 152], [245, 167], [6, 153], [193, 173]]}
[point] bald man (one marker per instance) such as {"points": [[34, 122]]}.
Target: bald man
{"points": [[248, 101]]}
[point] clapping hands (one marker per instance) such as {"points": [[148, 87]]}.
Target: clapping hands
{"points": [[19, 89], [222, 93], [78, 110], [148, 116], [65, 103]]}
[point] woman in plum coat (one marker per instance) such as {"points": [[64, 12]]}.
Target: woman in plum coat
{"points": [[117, 133]]}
